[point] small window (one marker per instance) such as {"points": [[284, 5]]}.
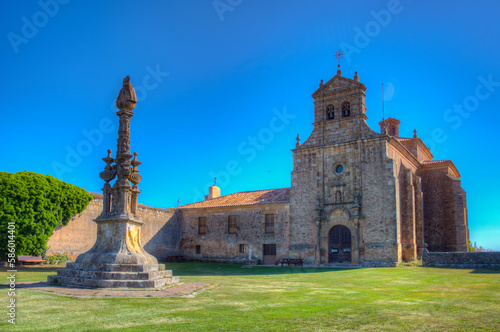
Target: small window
{"points": [[242, 248], [339, 169], [198, 249], [329, 112], [232, 224], [393, 130], [346, 109], [202, 225], [269, 224]]}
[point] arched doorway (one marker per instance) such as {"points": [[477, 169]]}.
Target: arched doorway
{"points": [[339, 245]]}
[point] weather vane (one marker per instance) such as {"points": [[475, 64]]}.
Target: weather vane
{"points": [[339, 55]]}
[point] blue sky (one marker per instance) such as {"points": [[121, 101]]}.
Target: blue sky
{"points": [[212, 76]]}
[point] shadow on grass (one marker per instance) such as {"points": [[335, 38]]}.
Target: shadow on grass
{"points": [[486, 271], [34, 268], [204, 269], [214, 269], [483, 270], [33, 284]]}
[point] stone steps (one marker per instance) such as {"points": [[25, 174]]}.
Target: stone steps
{"points": [[114, 275], [87, 282], [115, 267]]}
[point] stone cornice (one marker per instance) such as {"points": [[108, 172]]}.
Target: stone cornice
{"points": [[334, 94], [349, 142], [443, 164], [353, 85]]}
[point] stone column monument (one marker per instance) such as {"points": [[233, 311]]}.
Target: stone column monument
{"points": [[117, 258]]}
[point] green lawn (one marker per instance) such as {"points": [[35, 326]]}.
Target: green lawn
{"points": [[279, 299]]}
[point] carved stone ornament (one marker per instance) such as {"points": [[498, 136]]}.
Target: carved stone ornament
{"points": [[117, 258]]}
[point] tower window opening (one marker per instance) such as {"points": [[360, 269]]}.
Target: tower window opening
{"points": [[329, 112], [346, 109]]}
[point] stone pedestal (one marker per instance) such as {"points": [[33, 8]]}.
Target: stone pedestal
{"points": [[117, 258]]}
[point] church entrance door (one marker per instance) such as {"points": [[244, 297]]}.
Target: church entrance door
{"points": [[339, 245]]}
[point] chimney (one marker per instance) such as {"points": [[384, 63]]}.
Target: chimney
{"points": [[213, 191], [390, 126]]}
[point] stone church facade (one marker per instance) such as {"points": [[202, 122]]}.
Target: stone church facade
{"points": [[357, 196]]}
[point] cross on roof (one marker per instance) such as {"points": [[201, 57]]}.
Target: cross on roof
{"points": [[339, 55]]}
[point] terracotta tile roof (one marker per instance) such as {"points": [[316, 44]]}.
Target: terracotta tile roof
{"points": [[430, 162], [270, 196]]}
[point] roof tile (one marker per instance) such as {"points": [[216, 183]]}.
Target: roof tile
{"points": [[269, 196]]}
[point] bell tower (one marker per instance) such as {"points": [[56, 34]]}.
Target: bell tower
{"points": [[339, 112]]}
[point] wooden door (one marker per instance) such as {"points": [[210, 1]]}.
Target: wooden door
{"points": [[339, 245]]}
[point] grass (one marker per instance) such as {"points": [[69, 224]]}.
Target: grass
{"points": [[408, 298]]}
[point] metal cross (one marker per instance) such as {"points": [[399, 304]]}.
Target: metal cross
{"points": [[339, 55]]}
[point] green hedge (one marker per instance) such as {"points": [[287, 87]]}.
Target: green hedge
{"points": [[32, 206]]}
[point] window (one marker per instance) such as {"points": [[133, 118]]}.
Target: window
{"points": [[198, 249], [346, 109], [269, 249], [329, 112], [242, 248], [339, 169], [202, 225], [393, 130], [269, 224], [232, 224]]}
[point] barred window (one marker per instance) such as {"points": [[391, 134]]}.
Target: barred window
{"points": [[269, 224], [232, 224], [202, 225], [198, 249], [242, 248]]}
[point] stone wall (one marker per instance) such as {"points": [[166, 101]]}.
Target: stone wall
{"points": [[379, 208], [445, 211], [409, 200], [465, 260], [218, 245], [159, 235]]}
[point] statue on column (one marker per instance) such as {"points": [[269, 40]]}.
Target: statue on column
{"points": [[126, 98], [118, 258]]}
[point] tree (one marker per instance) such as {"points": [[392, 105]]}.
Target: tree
{"points": [[476, 248], [32, 206]]}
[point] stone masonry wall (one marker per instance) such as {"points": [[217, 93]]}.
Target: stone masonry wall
{"points": [[160, 234], [303, 193], [445, 211], [220, 246], [379, 206], [465, 260]]}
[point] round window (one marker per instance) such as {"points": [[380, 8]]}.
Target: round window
{"points": [[339, 169]]}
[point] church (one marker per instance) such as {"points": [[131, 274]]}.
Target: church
{"points": [[357, 196]]}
